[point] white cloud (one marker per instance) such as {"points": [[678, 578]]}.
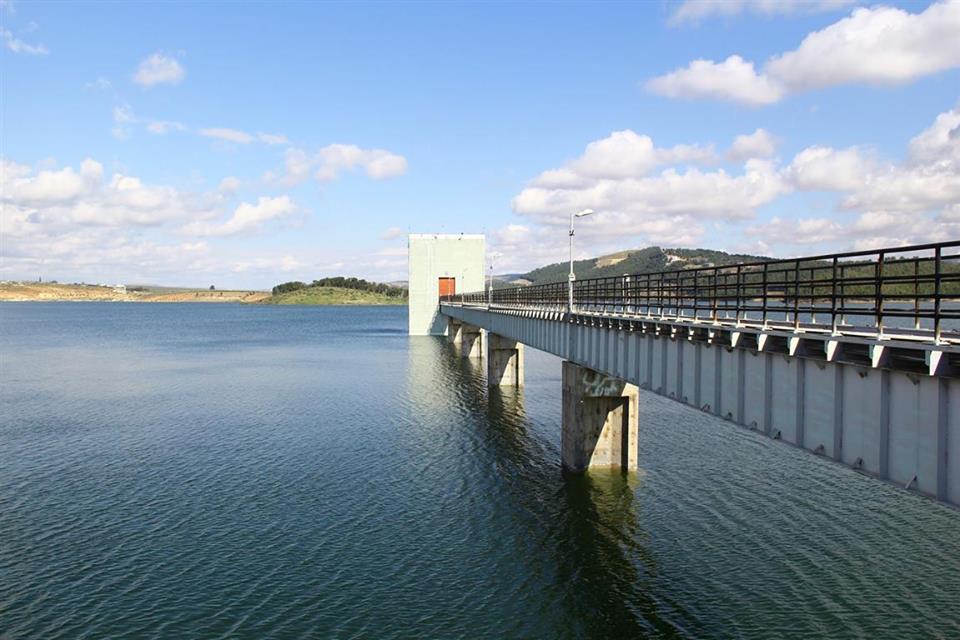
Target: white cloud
{"points": [[229, 135], [101, 84], [77, 223], [229, 185], [615, 176], [246, 217], [16, 45], [696, 10], [162, 127], [158, 69], [877, 46], [61, 200], [802, 231], [759, 144], [284, 263], [272, 138], [913, 202], [334, 159], [733, 79], [639, 201], [242, 137], [331, 161], [826, 169], [929, 180], [123, 118], [392, 233]]}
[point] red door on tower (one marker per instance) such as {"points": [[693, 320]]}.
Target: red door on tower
{"points": [[448, 286]]}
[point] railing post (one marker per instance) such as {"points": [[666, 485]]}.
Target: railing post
{"points": [[879, 294], [937, 273], [796, 296], [739, 285], [916, 294], [833, 298], [763, 295], [696, 294], [713, 313]]}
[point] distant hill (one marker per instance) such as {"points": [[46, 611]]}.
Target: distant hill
{"points": [[332, 295], [338, 290], [648, 260]]}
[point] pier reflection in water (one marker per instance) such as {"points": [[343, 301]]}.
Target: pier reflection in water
{"points": [[262, 472]]}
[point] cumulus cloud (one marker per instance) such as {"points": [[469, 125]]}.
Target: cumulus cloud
{"points": [[617, 176], [331, 161], [159, 69], [826, 169], [928, 180], [915, 201], [334, 159], [78, 222], [733, 79], [247, 217], [877, 46], [63, 199], [643, 197], [692, 11], [392, 233], [16, 45], [759, 144]]}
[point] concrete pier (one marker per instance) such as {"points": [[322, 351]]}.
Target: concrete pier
{"points": [[504, 361], [471, 341], [600, 425], [454, 328]]}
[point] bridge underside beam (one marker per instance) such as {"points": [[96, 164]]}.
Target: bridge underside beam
{"points": [[504, 361], [600, 424]]}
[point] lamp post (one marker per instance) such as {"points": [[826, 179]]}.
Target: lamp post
{"points": [[572, 277], [493, 256]]}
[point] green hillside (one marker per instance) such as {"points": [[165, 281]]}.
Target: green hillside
{"points": [[649, 260], [333, 295]]}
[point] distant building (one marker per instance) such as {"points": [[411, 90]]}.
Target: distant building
{"points": [[441, 264], [120, 288]]}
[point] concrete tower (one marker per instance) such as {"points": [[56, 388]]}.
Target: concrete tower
{"points": [[441, 264]]}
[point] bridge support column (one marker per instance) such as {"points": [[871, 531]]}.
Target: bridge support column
{"points": [[454, 328], [504, 361], [471, 341], [600, 425]]}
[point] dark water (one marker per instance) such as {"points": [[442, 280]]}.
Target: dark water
{"points": [[193, 471]]}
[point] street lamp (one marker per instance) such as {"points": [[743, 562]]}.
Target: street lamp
{"points": [[492, 256], [578, 214]]}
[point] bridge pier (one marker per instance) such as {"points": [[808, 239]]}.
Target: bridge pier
{"points": [[600, 425], [454, 327], [504, 361], [467, 337]]}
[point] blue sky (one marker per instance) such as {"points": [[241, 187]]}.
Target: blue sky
{"points": [[249, 144]]}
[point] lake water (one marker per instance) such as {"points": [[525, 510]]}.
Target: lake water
{"points": [[207, 471]]}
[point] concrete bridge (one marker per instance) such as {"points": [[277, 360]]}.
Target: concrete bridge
{"points": [[850, 356]]}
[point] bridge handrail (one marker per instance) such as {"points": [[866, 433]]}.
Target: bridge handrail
{"points": [[915, 280]]}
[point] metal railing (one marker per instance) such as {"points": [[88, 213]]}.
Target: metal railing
{"points": [[904, 288]]}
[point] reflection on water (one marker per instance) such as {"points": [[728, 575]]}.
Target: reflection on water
{"points": [[257, 472]]}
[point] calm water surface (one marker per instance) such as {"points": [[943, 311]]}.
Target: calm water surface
{"points": [[205, 471]]}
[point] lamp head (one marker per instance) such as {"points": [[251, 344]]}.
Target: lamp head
{"points": [[585, 212]]}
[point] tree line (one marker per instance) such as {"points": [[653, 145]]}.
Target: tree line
{"points": [[343, 283]]}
